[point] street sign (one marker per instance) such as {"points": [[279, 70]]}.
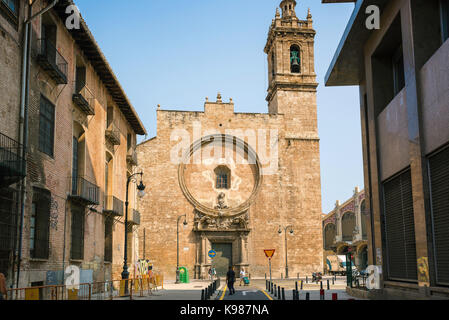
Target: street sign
{"points": [[269, 253], [212, 253]]}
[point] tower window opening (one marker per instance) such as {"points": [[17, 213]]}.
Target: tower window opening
{"points": [[295, 59]]}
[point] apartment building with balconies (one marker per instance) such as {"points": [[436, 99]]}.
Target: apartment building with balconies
{"points": [[81, 137]]}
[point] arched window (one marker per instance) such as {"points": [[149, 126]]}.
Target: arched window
{"points": [[223, 177], [295, 59], [78, 155], [329, 235], [108, 174], [348, 225]]}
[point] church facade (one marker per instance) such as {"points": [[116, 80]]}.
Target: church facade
{"points": [[240, 183]]}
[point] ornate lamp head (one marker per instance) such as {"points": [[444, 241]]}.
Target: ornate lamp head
{"points": [[141, 188]]}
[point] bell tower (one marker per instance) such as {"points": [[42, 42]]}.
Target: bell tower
{"points": [[291, 75], [288, 8]]}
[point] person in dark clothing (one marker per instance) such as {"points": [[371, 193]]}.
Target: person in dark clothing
{"points": [[230, 279]]}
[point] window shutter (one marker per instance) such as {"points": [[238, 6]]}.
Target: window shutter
{"points": [[400, 228], [439, 183], [108, 239], [42, 227], [77, 248]]}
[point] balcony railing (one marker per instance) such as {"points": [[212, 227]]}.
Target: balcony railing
{"points": [[52, 61], [84, 99], [131, 157], [113, 206], [12, 165], [84, 191], [134, 217], [113, 134]]}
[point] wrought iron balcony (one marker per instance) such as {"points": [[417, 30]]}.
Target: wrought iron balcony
{"points": [[84, 191], [84, 99], [131, 157], [113, 134], [12, 165], [52, 61], [134, 217], [113, 206]]}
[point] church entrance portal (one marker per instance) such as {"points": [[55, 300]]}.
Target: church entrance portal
{"points": [[223, 259]]}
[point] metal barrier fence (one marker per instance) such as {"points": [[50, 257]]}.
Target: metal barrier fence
{"points": [[105, 290]]}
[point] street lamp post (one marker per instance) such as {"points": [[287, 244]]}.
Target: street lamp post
{"points": [[286, 258], [177, 244], [141, 188]]}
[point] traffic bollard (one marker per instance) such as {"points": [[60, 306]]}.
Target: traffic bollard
{"points": [[296, 285], [294, 294], [279, 293], [302, 282], [328, 285], [283, 294], [321, 294], [275, 291], [333, 282], [307, 296], [334, 296], [202, 295], [321, 285], [271, 287]]}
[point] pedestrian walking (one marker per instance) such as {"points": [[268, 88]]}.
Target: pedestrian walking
{"points": [[242, 275], [2, 286], [210, 273], [214, 273], [230, 279]]}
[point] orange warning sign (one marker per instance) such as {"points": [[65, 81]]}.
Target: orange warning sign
{"points": [[269, 253]]}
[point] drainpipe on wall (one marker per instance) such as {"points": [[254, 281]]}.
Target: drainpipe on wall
{"points": [[23, 121]]}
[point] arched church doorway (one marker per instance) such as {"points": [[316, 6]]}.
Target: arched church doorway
{"points": [[223, 259]]}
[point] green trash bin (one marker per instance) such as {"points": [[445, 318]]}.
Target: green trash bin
{"points": [[183, 275]]}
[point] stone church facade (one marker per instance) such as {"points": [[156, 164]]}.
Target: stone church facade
{"points": [[233, 182]]}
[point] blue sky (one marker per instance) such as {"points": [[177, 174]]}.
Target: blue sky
{"points": [[175, 53]]}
